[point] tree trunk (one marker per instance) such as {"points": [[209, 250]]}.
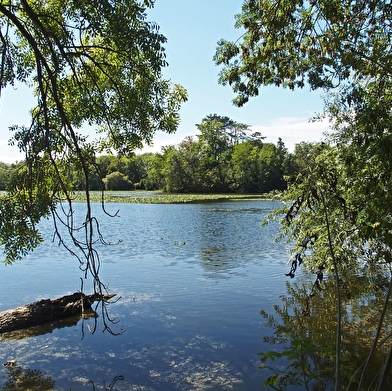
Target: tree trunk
{"points": [[47, 311]]}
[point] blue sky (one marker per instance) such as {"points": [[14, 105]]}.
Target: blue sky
{"points": [[193, 29]]}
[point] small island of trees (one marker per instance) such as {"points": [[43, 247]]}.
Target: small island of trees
{"points": [[225, 157]]}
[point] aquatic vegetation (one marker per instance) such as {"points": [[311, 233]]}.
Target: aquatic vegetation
{"points": [[156, 197]]}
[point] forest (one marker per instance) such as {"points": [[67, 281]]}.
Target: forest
{"points": [[225, 157]]}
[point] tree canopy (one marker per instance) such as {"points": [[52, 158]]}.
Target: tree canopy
{"points": [[290, 43], [90, 63], [336, 210]]}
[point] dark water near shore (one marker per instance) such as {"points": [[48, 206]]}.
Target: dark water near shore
{"points": [[192, 279]]}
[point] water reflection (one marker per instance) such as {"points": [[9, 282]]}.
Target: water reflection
{"points": [[25, 379], [40, 330], [111, 385], [89, 318], [305, 329], [230, 235], [192, 279], [197, 365]]}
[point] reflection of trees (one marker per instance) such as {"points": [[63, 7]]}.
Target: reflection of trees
{"points": [[228, 233], [24, 379], [107, 321], [306, 323], [215, 261], [111, 384], [27, 379]]}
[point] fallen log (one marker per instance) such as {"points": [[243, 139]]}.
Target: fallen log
{"points": [[47, 311]]}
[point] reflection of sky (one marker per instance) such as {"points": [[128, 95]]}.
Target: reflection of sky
{"points": [[191, 280]]}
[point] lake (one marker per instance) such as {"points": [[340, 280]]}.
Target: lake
{"points": [[191, 281]]}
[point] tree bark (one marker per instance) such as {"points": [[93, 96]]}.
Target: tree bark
{"points": [[47, 311]]}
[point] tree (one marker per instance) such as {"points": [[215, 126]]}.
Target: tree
{"points": [[137, 168], [6, 171], [288, 43], [269, 170], [218, 135], [337, 210], [214, 163], [95, 63], [155, 179], [117, 181], [246, 167], [182, 167], [213, 134], [174, 170], [300, 157]]}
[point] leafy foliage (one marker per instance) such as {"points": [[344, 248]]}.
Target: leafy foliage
{"points": [[337, 208], [90, 63], [244, 164], [288, 43], [226, 157], [117, 181]]}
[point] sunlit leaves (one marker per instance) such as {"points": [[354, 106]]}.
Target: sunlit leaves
{"points": [[29, 199], [286, 43], [363, 134], [337, 211], [90, 62]]}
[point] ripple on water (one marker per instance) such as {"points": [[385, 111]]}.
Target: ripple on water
{"points": [[191, 281]]}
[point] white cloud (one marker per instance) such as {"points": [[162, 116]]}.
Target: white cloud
{"points": [[293, 130]]}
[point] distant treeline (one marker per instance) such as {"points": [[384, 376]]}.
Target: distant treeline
{"points": [[223, 158]]}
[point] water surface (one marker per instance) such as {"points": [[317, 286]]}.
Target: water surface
{"points": [[192, 279]]}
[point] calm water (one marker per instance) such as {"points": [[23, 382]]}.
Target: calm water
{"points": [[192, 280]]}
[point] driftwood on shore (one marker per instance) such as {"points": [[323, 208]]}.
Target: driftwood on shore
{"points": [[47, 311]]}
